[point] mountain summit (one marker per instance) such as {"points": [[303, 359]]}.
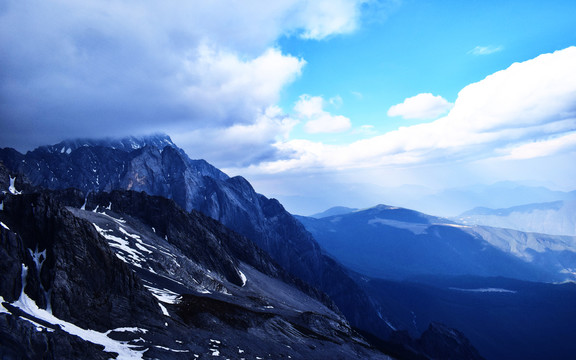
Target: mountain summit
{"points": [[154, 165]]}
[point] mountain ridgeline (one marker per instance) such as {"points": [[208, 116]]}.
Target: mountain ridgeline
{"points": [[512, 293], [127, 275], [156, 166], [142, 209]]}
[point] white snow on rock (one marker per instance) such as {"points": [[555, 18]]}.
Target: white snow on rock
{"points": [[416, 229], [12, 188], [164, 295], [28, 306], [128, 329], [486, 290], [139, 243], [164, 310], [3, 310], [243, 277], [168, 349], [135, 257]]}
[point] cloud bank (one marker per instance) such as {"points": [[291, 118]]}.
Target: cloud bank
{"points": [[105, 68], [525, 111]]}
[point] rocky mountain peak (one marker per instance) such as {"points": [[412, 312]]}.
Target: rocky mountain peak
{"points": [[126, 144]]}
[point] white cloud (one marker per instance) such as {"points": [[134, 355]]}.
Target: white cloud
{"points": [[228, 89], [322, 18], [485, 50], [249, 143], [421, 106], [525, 111], [311, 109], [542, 148]]}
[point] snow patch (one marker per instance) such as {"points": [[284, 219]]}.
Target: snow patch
{"points": [[486, 290], [128, 329], [416, 229], [135, 257], [28, 306], [168, 349], [39, 257], [12, 188], [164, 295], [243, 277], [164, 310], [3, 310]]}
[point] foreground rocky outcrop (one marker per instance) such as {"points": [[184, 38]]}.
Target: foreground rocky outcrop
{"points": [[137, 277]]}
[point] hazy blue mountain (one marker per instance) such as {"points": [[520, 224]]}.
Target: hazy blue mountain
{"points": [[451, 202], [336, 210], [421, 269], [502, 318], [397, 243], [558, 217]]}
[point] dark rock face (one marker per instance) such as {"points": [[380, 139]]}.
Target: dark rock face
{"points": [[60, 268], [446, 343], [141, 278], [156, 166]]}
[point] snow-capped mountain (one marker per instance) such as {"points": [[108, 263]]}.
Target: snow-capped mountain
{"points": [[420, 269], [557, 218]]}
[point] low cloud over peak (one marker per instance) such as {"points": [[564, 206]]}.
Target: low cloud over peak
{"points": [[119, 67]]}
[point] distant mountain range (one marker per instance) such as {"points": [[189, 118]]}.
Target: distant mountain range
{"points": [[558, 217], [337, 210], [484, 281], [505, 194], [397, 243]]}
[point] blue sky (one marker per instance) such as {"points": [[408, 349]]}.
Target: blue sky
{"points": [[317, 103], [424, 47]]}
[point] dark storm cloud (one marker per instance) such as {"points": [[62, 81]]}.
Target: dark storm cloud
{"points": [[93, 68]]}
